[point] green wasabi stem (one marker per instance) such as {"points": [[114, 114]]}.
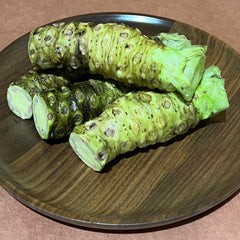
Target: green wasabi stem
{"points": [[210, 97], [140, 119], [118, 52], [172, 40], [56, 112], [20, 93]]}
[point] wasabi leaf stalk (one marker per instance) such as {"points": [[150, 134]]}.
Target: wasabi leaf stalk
{"points": [[172, 40], [118, 52], [143, 118], [210, 97]]}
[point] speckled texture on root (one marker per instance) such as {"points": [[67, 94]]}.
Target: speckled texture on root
{"points": [[144, 118], [56, 46], [134, 120], [20, 93], [118, 52], [56, 112]]}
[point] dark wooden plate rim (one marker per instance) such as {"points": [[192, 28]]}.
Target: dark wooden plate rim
{"points": [[99, 223]]}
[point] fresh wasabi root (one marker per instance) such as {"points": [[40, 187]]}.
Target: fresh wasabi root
{"points": [[20, 93], [143, 118], [137, 119], [56, 112], [121, 53]]}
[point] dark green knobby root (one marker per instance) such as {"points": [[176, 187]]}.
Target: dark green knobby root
{"points": [[56, 46], [20, 93], [119, 52], [141, 119], [56, 112]]}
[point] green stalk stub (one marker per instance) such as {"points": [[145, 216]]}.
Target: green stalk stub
{"points": [[211, 97]]}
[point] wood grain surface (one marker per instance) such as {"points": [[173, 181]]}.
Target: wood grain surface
{"points": [[154, 186]]}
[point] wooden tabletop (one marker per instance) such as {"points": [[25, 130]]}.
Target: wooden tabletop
{"points": [[219, 18]]}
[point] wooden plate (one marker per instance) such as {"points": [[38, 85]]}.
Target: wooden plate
{"points": [[155, 186]]}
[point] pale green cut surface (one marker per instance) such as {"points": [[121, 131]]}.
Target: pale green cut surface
{"points": [[19, 101], [40, 112], [84, 152]]}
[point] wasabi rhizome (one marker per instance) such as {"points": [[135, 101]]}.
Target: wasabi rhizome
{"points": [[167, 89]]}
